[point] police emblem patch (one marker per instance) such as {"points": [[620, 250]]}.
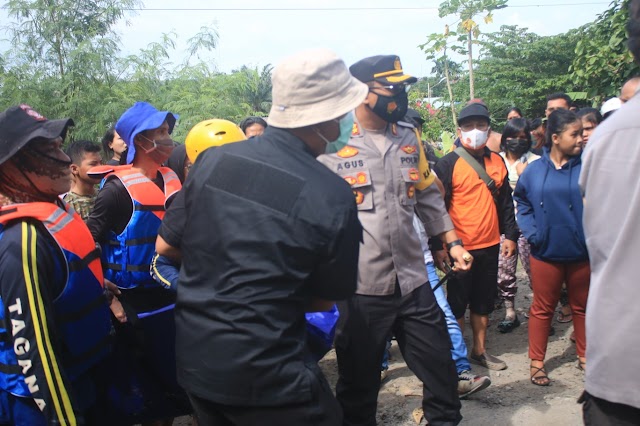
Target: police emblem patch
{"points": [[409, 149], [362, 177], [347, 152], [414, 175], [359, 197], [350, 180]]}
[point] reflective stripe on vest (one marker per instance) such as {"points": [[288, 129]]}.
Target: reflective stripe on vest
{"points": [[81, 311], [127, 256]]}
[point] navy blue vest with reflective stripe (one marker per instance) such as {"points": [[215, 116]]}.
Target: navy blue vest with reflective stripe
{"points": [[81, 311], [127, 256]]}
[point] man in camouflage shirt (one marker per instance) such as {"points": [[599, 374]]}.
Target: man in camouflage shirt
{"points": [[82, 196]]}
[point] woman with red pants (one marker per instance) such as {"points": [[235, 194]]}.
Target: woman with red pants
{"points": [[550, 217]]}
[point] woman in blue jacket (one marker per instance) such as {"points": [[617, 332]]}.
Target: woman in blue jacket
{"points": [[549, 214]]}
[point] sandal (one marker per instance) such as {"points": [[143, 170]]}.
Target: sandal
{"points": [[564, 318], [542, 380], [507, 325], [582, 365]]}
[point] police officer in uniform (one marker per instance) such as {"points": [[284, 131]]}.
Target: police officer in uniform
{"points": [[387, 169]]}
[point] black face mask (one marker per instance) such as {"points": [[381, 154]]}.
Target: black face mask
{"points": [[517, 146], [391, 108]]}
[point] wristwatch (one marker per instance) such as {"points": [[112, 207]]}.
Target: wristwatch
{"points": [[454, 243]]}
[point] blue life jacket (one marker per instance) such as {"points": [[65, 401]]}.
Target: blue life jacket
{"points": [[127, 256], [80, 311]]}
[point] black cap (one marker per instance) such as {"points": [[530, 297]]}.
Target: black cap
{"points": [[21, 124], [385, 69], [474, 110], [414, 115]]}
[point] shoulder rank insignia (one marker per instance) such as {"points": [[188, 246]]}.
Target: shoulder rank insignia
{"points": [[359, 197], [347, 152], [414, 175], [350, 180], [355, 131], [409, 149]]}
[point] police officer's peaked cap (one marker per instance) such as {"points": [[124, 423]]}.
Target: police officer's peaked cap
{"points": [[385, 69]]}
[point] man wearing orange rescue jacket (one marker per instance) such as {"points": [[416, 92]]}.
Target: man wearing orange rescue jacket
{"points": [[478, 198]]}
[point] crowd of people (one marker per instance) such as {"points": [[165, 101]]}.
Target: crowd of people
{"points": [[164, 279]]}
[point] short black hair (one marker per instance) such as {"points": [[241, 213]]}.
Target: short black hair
{"points": [[106, 140], [560, 95], [557, 122], [516, 109], [513, 128], [592, 115], [250, 121], [77, 149], [535, 123]]}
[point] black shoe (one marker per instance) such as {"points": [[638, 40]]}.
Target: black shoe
{"points": [[507, 325]]}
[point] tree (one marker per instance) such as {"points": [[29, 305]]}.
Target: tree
{"points": [[442, 64], [436, 50], [602, 61], [254, 88], [519, 68], [466, 10], [61, 53], [49, 33]]}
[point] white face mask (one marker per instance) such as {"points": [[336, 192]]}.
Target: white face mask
{"points": [[474, 139]]}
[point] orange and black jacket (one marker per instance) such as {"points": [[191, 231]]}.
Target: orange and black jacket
{"points": [[478, 217]]}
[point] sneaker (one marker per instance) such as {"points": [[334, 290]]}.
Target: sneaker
{"points": [[469, 383], [488, 361]]}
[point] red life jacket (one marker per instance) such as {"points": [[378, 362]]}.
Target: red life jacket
{"points": [[127, 256], [81, 311]]}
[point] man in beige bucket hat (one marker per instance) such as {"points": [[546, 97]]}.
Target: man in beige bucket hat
{"points": [[270, 233]]}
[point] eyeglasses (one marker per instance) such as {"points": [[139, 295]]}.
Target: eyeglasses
{"points": [[394, 88]]}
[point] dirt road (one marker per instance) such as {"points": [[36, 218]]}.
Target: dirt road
{"points": [[511, 399]]}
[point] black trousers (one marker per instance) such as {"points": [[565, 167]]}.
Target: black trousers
{"points": [[420, 328], [600, 412], [321, 410]]}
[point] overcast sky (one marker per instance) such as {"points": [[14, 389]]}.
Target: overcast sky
{"points": [[258, 37]]}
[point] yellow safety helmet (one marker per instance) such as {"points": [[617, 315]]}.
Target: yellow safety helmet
{"points": [[210, 133]]}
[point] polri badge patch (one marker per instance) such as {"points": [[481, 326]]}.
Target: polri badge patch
{"points": [[409, 149], [347, 152]]}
